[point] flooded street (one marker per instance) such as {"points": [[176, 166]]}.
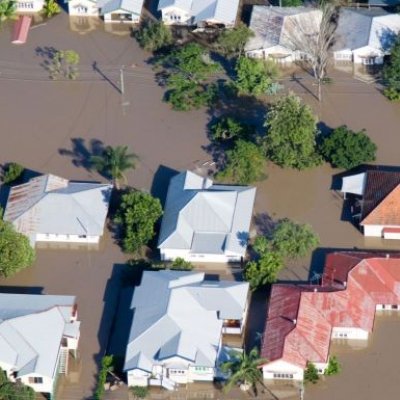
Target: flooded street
{"points": [[54, 126]]}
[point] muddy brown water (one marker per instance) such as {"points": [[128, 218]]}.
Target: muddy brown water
{"points": [[39, 119]]}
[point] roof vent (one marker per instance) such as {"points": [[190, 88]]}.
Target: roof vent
{"points": [[387, 255], [294, 321], [345, 283], [315, 289]]}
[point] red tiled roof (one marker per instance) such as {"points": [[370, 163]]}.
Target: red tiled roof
{"points": [[300, 318]]}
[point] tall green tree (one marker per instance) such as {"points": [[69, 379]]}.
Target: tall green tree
{"points": [[231, 42], [291, 134], [51, 8], [153, 35], [347, 149], [7, 10], [245, 163], [16, 253], [229, 128], [244, 369], [255, 77], [188, 71], [264, 270], [64, 63], [137, 215], [391, 72], [293, 240], [311, 373], [114, 162], [333, 367]]}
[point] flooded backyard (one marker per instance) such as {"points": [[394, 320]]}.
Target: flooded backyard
{"points": [[54, 126]]}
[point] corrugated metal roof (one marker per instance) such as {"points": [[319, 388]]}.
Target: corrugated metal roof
{"points": [[184, 320], [300, 318], [196, 211], [132, 6]]}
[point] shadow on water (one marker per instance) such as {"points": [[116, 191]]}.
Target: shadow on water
{"points": [[22, 289], [159, 186]]}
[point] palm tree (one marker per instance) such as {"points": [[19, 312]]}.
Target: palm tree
{"points": [[7, 9], [244, 370], [114, 162]]}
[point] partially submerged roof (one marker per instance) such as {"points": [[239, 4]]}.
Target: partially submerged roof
{"points": [[281, 26], [31, 329], [50, 204], [358, 28], [131, 6], [184, 320], [206, 218], [300, 318], [220, 11], [354, 184]]}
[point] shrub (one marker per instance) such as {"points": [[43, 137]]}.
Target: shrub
{"points": [[333, 367], [311, 373], [181, 264], [228, 128], [139, 392], [106, 366], [12, 172]]}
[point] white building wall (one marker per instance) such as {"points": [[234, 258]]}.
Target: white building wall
{"points": [[137, 377], [50, 237], [282, 370], [134, 17], [198, 373], [387, 307], [343, 55], [175, 16], [321, 367], [377, 231], [361, 55], [29, 6], [172, 254], [83, 7], [45, 387], [349, 333]]}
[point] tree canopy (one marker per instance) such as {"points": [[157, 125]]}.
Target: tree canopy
{"points": [[231, 42], [293, 240], [228, 128], [114, 162], [16, 253], [153, 35], [244, 368], [391, 72], [344, 148], [264, 270], [311, 373], [12, 172], [8, 9], [245, 163], [14, 390], [291, 134], [137, 214], [255, 77], [188, 70], [333, 367]]}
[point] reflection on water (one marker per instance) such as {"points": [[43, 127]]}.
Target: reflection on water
{"points": [[83, 25]]}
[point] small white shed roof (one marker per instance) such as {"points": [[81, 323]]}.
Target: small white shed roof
{"points": [[354, 184]]}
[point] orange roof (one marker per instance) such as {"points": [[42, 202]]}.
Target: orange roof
{"points": [[387, 212]]}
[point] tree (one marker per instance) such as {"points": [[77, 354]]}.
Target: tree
{"points": [[228, 128], [14, 390], [139, 392], [391, 72], [263, 271], [51, 8], [137, 215], [181, 264], [7, 10], [16, 252], [64, 63], [106, 367], [231, 42], [114, 162], [12, 172], [255, 77], [346, 149], [293, 240], [188, 70], [245, 163], [311, 373], [244, 369], [291, 134], [153, 35], [314, 37], [333, 367]]}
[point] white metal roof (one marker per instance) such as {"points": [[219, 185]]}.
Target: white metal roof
{"points": [[31, 329], [179, 314], [354, 184], [132, 6], [49, 204], [197, 212]]}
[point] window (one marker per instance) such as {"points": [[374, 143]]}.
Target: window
{"points": [[35, 379], [25, 5], [343, 335], [177, 371], [82, 236], [283, 376]]}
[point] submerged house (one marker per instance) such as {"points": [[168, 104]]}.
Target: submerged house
{"points": [[280, 31], [53, 209], [205, 222], [29, 6], [377, 204], [302, 320], [199, 12], [37, 333], [176, 336], [112, 11], [365, 36]]}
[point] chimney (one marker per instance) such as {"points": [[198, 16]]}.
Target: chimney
{"points": [[294, 321], [315, 290], [345, 284], [387, 255]]}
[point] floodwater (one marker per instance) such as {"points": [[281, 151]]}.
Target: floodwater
{"points": [[54, 126]]}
